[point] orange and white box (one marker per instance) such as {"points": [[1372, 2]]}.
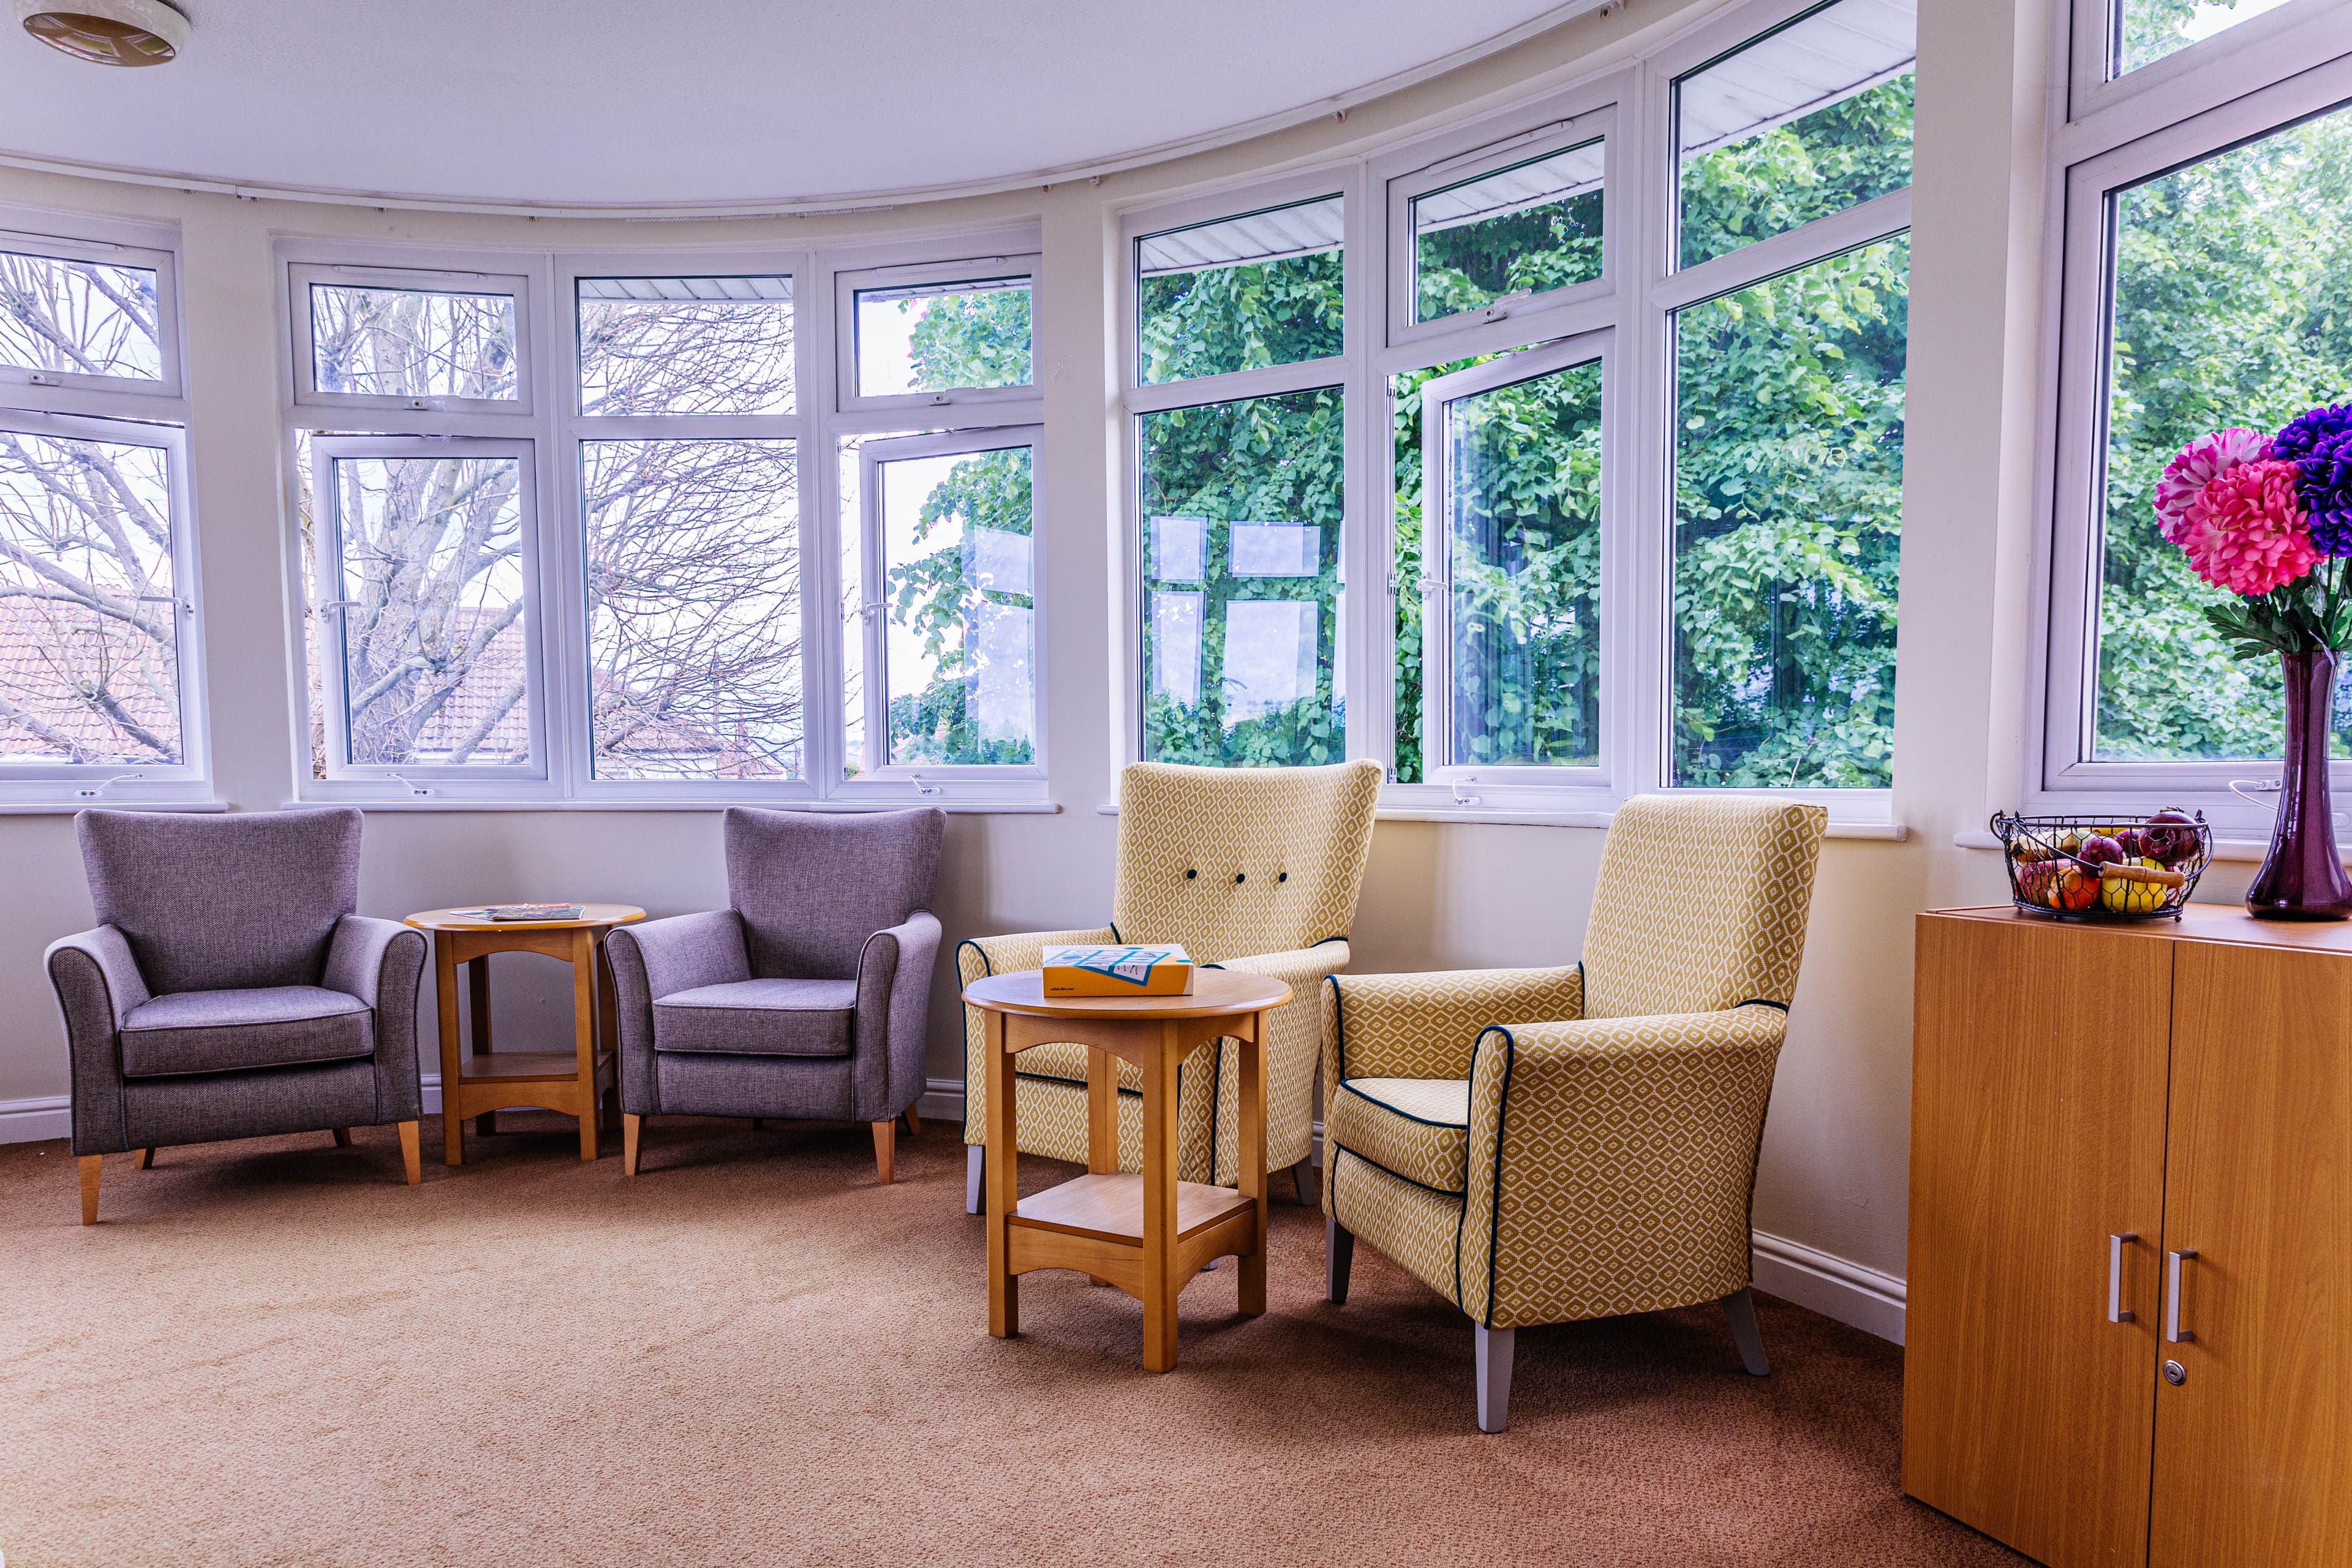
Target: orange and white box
{"points": [[1123, 969]]}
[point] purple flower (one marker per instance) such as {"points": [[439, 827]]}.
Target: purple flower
{"points": [[2319, 444]]}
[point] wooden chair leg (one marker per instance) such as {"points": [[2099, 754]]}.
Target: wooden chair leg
{"points": [[1494, 1347], [147, 1158], [343, 1137], [886, 1148], [1338, 1255], [91, 1166], [1740, 1307], [914, 1123], [410, 1154], [629, 1129]]}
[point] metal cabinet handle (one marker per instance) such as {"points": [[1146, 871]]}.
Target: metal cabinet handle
{"points": [[2116, 1311], [2174, 1334]]}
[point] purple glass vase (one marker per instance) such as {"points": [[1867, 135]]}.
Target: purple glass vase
{"points": [[2303, 878]]}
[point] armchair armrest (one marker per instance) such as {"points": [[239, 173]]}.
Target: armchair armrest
{"points": [[97, 985], [1426, 1026], [894, 1002], [660, 958], [1008, 954], [381, 962], [1638, 1137]]}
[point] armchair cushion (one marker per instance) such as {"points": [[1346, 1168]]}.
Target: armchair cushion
{"points": [[759, 1018], [231, 1031], [1415, 1128]]}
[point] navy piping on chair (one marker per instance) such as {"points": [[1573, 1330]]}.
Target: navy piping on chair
{"points": [[1502, 1126]]}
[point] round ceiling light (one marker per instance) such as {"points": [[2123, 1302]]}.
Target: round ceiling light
{"points": [[108, 32]]}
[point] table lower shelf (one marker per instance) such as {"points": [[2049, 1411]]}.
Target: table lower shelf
{"points": [[1095, 1223], [542, 1067]]}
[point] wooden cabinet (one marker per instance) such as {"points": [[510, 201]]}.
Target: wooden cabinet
{"points": [[2088, 1102]]}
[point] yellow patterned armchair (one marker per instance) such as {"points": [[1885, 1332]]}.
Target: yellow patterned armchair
{"points": [[1546, 1145], [1253, 868]]}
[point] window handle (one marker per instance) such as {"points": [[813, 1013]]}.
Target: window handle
{"points": [[2174, 1334], [2116, 1311]]}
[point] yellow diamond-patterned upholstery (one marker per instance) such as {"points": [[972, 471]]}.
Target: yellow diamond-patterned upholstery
{"points": [[1611, 1155], [1277, 859], [1417, 1128]]}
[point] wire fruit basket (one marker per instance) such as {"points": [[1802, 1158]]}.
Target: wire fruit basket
{"points": [[2099, 869]]}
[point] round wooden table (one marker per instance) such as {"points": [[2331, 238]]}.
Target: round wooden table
{"points": [[484, 1083], [1147, 1234]]}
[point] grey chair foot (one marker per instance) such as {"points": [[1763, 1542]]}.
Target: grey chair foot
{"points": [[1339, 1253], [1299, 1181], [975, 1159], [1493, 1351], [1740, 1308]]}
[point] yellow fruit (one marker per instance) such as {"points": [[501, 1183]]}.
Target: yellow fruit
{"points": [[2134, 898]]}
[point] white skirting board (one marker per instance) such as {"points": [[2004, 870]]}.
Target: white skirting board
{"points": [[1827, 1284]]}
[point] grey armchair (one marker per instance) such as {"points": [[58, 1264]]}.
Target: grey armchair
{"points": [[806, 998], [228, 991]]}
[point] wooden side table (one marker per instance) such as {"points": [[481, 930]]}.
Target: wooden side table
{"points": [[487, 1082], [1148, 1233]]}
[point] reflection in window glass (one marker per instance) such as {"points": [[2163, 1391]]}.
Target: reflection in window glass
{"points": [[1241, 294], [1525, 229], [88, 621], [936, 337], [2233, 306], [1241, 667], [1523, 540], [430, 584], [685, 345], [961, 632], [79, 317], [413, 343], [1802, 123], [1788, 526], [694, 626], [2148, 30]]}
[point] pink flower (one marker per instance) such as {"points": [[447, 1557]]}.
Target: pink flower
{"points": [[2246, 531], [2201, 461]]}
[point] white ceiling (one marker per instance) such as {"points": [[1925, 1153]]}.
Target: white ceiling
{"points": [[687, 103]]}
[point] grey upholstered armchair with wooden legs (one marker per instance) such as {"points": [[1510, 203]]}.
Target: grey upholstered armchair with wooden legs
{"points": [[229, 991], [806, 998]]}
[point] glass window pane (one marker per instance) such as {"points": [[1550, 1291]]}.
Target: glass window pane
{"points": [[83, 318], [1802, 123], [1522, 545], [1530, 227], [413, 343], [1788, 526], [694, 608], [2233, 306], [2148, 30], [430, 584], [685, 345], [1243, 502], [88, 623], [1241, 294], [936, 337], [961, 628]]}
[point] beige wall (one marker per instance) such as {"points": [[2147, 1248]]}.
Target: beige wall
{"points": [[1438, 895]]}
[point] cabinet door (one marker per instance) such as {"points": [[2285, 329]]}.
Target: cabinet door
{"points": [[2037, 1132], [2254, 1451]]}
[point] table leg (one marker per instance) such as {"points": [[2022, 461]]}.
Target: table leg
{"points": [[1253, 1173], [1001, 1170], [608, 1031], [1160, 1282], [1102, 1119], [452, 1095], [583, 1032], [477, 987]]}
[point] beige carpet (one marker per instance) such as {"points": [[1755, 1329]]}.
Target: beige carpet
{"points": [[276, 1354]]}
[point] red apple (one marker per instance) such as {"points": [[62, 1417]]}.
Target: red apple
{"points": [[2100, 851], [2171, 836]]}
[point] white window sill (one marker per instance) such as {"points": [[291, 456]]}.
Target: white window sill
{"points": [[69, 808], [2249, 850], [1886, 832], [835, 807]]}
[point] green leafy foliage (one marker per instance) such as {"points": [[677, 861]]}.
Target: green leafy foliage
{"points": [[1470, 267], [938, 597], [1767, 183], [1224, 319]]}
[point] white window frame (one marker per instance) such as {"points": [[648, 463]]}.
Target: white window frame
{"points": [[995, 782], [2091, 161], [186, 784], [461, 780], [421, 280], [1598, 123], [21, 231], [976, 270], [2197, 77]]}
